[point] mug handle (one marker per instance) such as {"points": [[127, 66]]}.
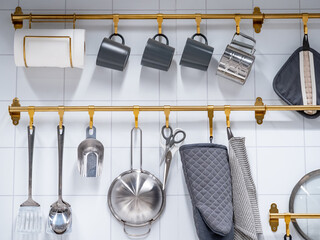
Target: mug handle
{"points": [[200, 35], [119, 35], [161, 35], [245, 45]]}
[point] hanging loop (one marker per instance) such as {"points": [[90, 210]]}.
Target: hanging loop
{"points": [[61, 112], [227, 111], [115, 22], [160, 20], [305, 18], [198, 21], [210, 116], [136, 114], [31, 111], [167, 113], [91, 112], [237, 18]]}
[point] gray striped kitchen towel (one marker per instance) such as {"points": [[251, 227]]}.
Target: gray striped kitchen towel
{"points": [[247, 223]]}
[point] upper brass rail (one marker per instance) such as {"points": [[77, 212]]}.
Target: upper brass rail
{"points": [[17, 17]]}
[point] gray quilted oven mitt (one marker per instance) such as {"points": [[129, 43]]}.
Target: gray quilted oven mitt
{"points": [[207, 175]]}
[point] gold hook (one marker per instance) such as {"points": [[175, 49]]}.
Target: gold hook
{"points": [[198, 21], [227, 110], [136, 114], [74, 20], [91, 112], [210, 116], [167, 113], [160, 20], [237, 18], [287, 219], [31, 111], [305, 18], [61, 112], [30, 20], [115, 22]]}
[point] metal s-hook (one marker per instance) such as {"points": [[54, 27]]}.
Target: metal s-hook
{"points": [[210, 116], [198, 21], [160, 20], [115, 18], [60, 112], [305, 18], [287, 219], [31, 111], [237, 18], [136, 114], [227, 111], [167, 113], [91, 112]]}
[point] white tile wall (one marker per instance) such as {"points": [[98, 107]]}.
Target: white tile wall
{"points": [[281, 150]]}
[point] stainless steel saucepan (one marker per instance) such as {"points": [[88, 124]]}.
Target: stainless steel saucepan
{"points": [[136, 197]]}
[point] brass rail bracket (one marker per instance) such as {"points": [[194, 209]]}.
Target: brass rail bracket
{"points": [[257, 23], [274, 223], [17, 23], [259, 115], [15, 116]]}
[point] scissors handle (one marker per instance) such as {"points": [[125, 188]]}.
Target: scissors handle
{"points": [[174, 137], [168, 136]]}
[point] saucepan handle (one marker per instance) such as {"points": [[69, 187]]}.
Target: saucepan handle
{"points": [[140, 147], [143, 235]]}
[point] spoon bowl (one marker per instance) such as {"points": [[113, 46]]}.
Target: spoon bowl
{"points": [[60, 217]]}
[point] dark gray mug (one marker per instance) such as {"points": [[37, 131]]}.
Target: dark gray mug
{"points": [[112, 54], [196, 54], [157, 55]]}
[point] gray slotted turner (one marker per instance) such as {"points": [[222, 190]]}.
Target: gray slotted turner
{"points": [[29, 218]]}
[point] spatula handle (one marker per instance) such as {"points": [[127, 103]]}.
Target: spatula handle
{"points": [[60, 156]]}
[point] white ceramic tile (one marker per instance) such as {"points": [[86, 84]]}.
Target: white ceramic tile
{"points": [[8, 78], [45, 172], [280, 128], [136, 5], [46, 126], [266, 68], [229, 4], [312, 132], [6, 126], [167, 4], [87, 5], [186, 228], [40, 83], [4, 4], [190, 4], [276, 162], [6, 218], [6, 33], [309, 4], [42, 4], [276, 4], [169, 220], [278, 36], [312, 162], [91, 83], [168, 81], [220, 88], [6, 176], [136, 82]]}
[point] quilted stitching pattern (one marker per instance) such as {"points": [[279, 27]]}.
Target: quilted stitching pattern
{"points": [[207, 174]]}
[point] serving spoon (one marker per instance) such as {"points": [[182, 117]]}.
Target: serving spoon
{"points": [[60, 216]]}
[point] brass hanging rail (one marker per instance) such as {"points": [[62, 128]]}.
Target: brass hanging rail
{"points": [[259, 108], [18, 16], [274, 217]]}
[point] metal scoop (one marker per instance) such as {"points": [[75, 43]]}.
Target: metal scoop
{"points": [[90, 155], [60, 216]]}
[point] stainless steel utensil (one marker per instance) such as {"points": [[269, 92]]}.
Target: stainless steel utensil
{"points": [[29, 218], [167, 164], [60, 215], [136, 197], [235, 63], [90, 155]]}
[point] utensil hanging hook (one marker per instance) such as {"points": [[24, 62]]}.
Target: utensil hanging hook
{"points": [[160, 20], [31, 111], [210, 116], [305, 18], [136, 114], [61, 112], [227, 111], [198, 21], [115, 22], [91, 112], [287, 220], [237, 18], [167, 113]]}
